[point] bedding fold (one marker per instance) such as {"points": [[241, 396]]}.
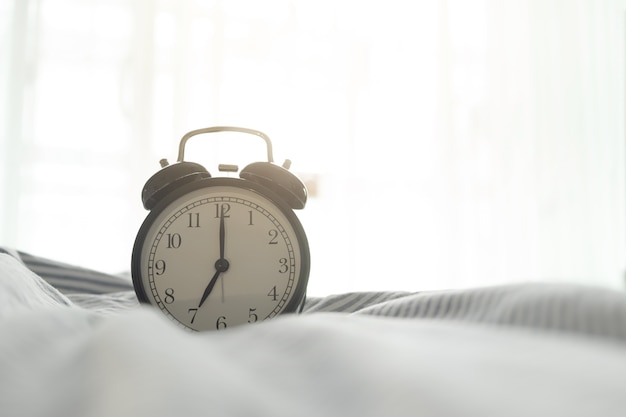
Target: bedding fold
{"points": [[514, 350]]}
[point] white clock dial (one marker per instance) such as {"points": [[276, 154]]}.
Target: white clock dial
{"points": [[221, 256]]}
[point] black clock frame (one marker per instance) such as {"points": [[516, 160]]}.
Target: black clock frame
{"points": [[297, 300]]}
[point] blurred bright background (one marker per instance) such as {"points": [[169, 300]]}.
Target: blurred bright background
{"points": [[446, 143]]}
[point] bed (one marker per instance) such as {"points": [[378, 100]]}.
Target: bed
{"points": [[75, 342]]}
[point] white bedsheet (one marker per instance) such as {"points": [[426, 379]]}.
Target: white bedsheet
{"points": [[58, 358]]}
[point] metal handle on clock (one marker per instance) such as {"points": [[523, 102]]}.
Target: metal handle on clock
{"points": [[276, 178], [183, 141]]}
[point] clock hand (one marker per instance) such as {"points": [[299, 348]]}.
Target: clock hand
{"points": [[221, 265], [222, 236], [209, 287]]}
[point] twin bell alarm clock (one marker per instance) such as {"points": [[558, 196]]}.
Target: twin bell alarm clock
{"points": [[216, 252]]}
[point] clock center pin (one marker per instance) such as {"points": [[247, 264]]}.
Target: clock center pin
{"points": [[222, 265]]}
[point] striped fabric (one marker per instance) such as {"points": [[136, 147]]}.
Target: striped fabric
{"points": [[70, 279], [563, 308], [351, 302]]}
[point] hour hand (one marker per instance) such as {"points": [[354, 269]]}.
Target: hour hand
{"points": [[209, 288], [220, 266]]}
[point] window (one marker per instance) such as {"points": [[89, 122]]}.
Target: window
{"points": [[446, 144]]}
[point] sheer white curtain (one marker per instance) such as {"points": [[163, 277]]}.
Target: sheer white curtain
{"points": [[447, 143]]}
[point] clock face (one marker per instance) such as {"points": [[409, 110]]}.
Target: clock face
{"points": [[221, 255]]}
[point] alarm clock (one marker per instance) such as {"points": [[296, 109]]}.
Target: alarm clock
{"points": [[217, 252]]}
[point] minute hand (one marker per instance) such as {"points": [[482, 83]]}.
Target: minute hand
{"points": [[222, 237]]}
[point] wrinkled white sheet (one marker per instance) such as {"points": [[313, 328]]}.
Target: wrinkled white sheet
{"points": [[60, 359]]}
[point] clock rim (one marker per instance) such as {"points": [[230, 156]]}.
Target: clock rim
{"points": [[298, 298]]}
